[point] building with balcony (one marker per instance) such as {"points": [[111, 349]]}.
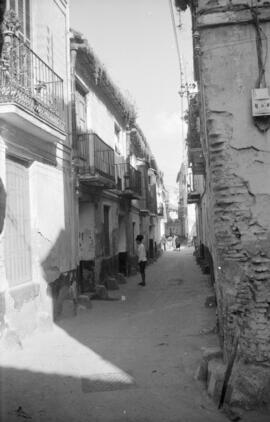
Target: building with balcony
{"points": [[231, 65], [112, 160], [37, 244], [182, 183], [149, 211]]}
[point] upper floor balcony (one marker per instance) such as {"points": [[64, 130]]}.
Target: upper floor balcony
{"points": [[193, 197], [96, 161], [31, 93], [160, 210], [128, 181], [196, 159]]}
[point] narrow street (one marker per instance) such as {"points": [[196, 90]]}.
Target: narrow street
{"points": [[132, 359]]}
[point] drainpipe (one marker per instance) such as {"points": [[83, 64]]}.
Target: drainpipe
{"points": [[73, 56]]}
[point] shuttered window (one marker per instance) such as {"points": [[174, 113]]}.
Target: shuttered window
{"points": [[22, 9], [80, 111], [17, 225]]}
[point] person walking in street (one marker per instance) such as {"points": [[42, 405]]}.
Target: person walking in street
{"points": [[177, 243], [163, 242], [141, 258]]}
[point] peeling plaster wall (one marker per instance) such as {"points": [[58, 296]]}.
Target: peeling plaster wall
{"points": [[87, 231], [52, 244], [51, 190], [101, 121], [28, 305], [100, 256], [237, 188]]}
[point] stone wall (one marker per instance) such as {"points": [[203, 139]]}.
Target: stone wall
{"points": [[237, 189]]}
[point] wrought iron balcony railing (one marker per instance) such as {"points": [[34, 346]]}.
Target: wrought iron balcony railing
{"points": [[128, 179], [95, 156], [193, 197], [27, 81], [196, 159]]}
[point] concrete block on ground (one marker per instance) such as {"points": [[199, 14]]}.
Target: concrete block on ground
{"points": [[202, 371], [251, 386], [210, 353], [121, 279], [101, 292], [111, 283], [83, 300], [215, 378]]}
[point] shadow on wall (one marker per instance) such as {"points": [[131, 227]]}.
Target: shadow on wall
{"points": [[60, 283]]}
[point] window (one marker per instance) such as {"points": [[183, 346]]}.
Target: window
{"points": [[22, 9], [80, 110], [17, 228]]}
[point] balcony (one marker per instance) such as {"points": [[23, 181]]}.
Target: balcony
{"points": [[193, 197], [95, 161], [31, 93], [128, 181], [196, 158], [160, 210]]}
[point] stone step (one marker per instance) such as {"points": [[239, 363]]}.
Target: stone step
{"points": [[111, 283]]}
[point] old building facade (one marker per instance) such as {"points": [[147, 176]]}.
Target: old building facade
{"points": [[232, 69], [116, 173], [37, 243]]}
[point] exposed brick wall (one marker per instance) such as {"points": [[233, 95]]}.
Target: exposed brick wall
{"points": [[237, 192]]}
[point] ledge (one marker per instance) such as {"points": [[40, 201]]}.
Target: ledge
{"points": [[23, 120]]}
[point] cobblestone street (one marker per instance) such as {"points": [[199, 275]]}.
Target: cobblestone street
{"points": [[131, 359]]}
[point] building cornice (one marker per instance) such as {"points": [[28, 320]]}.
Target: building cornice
{"points": [[231, 16], [96, 75]]}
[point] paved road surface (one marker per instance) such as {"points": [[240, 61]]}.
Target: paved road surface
{"points": [[130, 360]]}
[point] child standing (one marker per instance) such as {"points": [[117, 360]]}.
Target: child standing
{"points": [[141, 258]]}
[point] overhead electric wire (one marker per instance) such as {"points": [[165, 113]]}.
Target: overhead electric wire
{"points": [[176, 42]]}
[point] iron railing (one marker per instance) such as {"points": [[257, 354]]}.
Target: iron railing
{"points": [[196, 159], [26, 80], [128, 178], [96, 157]]}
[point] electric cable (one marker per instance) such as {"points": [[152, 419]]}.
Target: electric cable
{"points": [[182, 75], [176, 42]]}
